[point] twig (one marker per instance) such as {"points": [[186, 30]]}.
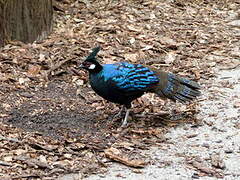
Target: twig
{"points": [[10, 139], [27, 176], [230, 68], [56, 66], [75, 71], [3, 163], [124, 160]]}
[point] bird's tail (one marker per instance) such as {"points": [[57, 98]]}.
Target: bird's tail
{"points": [[176, 88]]}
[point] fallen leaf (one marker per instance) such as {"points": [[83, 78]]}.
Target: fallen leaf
{"points": [[19, 151], [8, 158], [68, 156], [236, 104], [41, 57], [101, 40], [235, 23], [2, 163], [217, 161], [147, 47], [3, 115], [134, 28], [170, 57], [203, 168], [132, 40], [131, 57], [167, 40], [23, 80], [33, 70]]}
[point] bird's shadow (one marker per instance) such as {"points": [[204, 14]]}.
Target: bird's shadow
{"points": [[156, 120]]}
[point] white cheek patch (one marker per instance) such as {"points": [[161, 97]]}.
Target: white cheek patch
{"points": [[92, 66]]}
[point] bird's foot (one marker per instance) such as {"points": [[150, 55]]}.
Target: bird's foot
{"points": [[119, 115], [124, 123]]}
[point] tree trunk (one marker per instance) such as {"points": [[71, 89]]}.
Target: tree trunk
{"points": [[25, 20]]}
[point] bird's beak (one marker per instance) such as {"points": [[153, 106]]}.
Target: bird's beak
{"points": [[81, 66]]}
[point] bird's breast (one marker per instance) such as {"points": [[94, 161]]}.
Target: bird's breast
{"points": [[109, 92]]}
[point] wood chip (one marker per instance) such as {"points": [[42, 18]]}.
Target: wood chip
{"points": [[114, 154], [217, 162], [203, 168]]}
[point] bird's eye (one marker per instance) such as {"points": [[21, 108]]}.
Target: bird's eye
{"points": [[88, 65]]}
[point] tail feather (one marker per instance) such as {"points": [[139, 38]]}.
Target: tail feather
{"points": [[177, 88]]}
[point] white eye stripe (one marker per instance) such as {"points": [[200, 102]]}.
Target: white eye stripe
{"points": [[92, 66]]}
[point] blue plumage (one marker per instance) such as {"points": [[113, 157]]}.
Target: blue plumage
{"points": [[129, 77], [123, 82]]}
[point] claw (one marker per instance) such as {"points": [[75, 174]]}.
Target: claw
{"points": [[119, 114]]}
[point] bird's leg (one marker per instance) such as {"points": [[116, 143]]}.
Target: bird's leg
{"points": [[124, 123], [119, 114]]}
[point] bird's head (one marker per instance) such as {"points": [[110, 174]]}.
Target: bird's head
{"points": [[91, 64]]}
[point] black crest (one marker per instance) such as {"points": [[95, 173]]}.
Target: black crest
{"points": [[92, 56]]}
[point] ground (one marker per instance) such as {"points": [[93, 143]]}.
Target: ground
{"points": [[54, 126]]}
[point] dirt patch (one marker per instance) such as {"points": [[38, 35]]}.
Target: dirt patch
{"points": [[50, 110]]}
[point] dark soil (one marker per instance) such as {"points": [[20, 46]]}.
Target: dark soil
{"points": [[52, 110]]}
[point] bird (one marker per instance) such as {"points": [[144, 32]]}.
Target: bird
{"points": [[123, 82]]}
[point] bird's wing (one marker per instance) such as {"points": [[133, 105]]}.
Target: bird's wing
{"points": [[133, 78]]}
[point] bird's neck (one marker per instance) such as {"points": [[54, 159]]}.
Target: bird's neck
{"points": [[98, 68]]}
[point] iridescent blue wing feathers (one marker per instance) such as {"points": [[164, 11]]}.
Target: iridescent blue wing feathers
{"points": [[133, 77]]}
